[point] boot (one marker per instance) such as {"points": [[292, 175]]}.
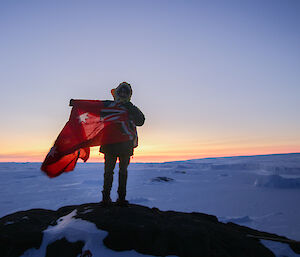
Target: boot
{"points": [[121, 199], [122, 202], [106, 200]]}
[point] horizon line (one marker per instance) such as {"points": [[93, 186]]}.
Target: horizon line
{"points": [[181, 160]]}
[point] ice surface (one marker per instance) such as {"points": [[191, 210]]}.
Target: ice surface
{"points": [[261, 192]]}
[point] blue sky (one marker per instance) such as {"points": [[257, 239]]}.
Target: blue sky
{"points": [[212, 77]]}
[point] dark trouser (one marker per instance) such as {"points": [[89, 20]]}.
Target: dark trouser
{"points": [[109, 165]]}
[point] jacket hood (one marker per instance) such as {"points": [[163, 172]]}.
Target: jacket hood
{"points": [[122, 98]]}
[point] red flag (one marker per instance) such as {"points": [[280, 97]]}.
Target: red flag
{"points": [[91, 123]]}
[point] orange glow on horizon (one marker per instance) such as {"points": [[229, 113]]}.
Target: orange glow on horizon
{"points": [[164, 155]]}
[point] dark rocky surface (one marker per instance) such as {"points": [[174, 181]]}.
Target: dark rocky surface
{"points": [[162, 179], [64, 248], [135, 227]]}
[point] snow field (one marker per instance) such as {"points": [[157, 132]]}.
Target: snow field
{"points": [[261, 192]]}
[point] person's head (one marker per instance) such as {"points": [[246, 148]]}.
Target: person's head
{"points": [[122, 93]]}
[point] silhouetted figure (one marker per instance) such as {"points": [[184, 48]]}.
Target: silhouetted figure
{"points": [[121, 150]]}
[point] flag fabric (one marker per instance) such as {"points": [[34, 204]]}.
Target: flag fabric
{"points": [[91, 123]]}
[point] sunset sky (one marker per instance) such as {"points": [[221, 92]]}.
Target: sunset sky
{"points": [[213, 78]]}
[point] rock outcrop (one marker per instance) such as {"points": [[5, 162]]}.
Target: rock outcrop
{"points": [[134, 227]]}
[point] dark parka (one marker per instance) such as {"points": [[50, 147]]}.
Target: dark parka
{"points": [[124, 148]]}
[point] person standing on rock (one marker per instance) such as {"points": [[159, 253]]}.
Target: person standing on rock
{"points": [[120, 150]]}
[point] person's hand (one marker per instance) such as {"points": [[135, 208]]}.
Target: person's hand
{"points": [[71, 102], [128, 105]]}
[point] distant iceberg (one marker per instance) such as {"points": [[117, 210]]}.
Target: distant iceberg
{"points": [[276, 181]]}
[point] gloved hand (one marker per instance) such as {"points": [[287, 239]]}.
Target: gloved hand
{"points": [[128, 105]]}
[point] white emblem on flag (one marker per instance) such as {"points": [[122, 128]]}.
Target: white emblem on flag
{"points": [[83, 117]]}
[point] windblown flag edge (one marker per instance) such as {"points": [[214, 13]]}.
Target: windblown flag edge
{"points": [[91, 123]]}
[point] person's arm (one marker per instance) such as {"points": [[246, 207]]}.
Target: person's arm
{"points": [[135, 114]]}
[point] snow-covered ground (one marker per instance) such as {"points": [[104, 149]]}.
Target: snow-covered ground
{"points": [[262, 192]]}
